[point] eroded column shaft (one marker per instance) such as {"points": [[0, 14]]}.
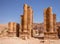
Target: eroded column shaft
{"points": [[30, 19], [49, 19], [54, 22], [45, 23], [25, 18], [22, 23]]}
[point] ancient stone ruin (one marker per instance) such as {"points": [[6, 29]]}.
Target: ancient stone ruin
{"points": [[50, 31], [25, 30], [26, 21]]}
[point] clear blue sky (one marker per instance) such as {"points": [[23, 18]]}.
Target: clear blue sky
{"points": [[10, 10]]}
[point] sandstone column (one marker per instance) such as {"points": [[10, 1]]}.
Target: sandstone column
{"points": [[54, 22], [12, 29], [50, 19], [26, 21], [17, 29], [45, 22], [54, 25], [49, 24], [30, 20], [22, 23], [25, 17]]}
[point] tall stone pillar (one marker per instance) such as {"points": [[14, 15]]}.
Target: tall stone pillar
{"points": [[48, 19], [49, 12], [30, 20], [45, 22], [22, 23], [21, 26], [54, 23], [26, 21], [49, 22], [25, 17], [24, 33]]}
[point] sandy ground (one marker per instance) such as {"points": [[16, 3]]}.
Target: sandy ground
{"points": [[52, 42], [15, 40]]}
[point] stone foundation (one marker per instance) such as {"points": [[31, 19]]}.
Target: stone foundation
{"points": [[50, 35]]}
